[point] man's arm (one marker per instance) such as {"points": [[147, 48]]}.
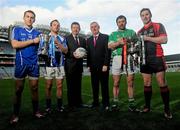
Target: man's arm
{"points": [[21, 44], [114, 45], [160, 39]]}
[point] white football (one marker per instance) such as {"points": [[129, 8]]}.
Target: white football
{"points": [[81, 52]]}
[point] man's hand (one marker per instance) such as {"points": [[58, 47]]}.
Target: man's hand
{"points": [[121, 41], [104, 68], [36, 40], [146, 38], [56, 42]]}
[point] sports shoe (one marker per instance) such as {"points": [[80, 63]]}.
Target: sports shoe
{"points": [[167, 115], [107, 108], [14, 119], [115, 103], [61, 109], [133, 109], [38, 115], [48, 111]]}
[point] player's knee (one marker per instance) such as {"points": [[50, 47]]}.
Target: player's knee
{"points": [[130, 82], [116, 84], [19, 91], [161, 83], [59, 87], [48, 86], [147, 83], [34, 88]]}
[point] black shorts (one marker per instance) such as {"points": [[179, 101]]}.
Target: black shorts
{"points": [[153, 65]]}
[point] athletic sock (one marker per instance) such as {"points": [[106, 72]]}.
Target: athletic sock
{"points": [[35, 106], [147, 95], [16, 109], [48, 103], [131, 102], [17, 105], [59, 103], [165, 97]]}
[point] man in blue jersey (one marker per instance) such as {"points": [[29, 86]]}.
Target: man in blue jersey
{"points": [[26, 41], [55, 65]]}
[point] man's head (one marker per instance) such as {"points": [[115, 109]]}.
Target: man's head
{"points": [[55, 26], [121, 22], [146, 15], [94, 26], [29, 18], [75, 28]]}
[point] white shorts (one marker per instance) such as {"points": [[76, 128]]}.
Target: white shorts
{"points": [[130, 68], [116, 65], [55, 72], [118, 69]]}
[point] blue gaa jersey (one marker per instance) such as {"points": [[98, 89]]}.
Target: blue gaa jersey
{"points": [[56, 57], [27, 55]]}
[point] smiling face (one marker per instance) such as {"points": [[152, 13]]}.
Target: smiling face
{"points": [[94, 28], [55, 26], [29, 19], [146, 16]]}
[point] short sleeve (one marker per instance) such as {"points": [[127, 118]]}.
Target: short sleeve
{"points": [[15, 33], [162, 31], [111, 38]]}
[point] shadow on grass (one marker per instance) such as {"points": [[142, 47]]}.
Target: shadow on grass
{"points": [[93, 119]]}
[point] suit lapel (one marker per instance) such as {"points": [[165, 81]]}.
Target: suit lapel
{"points": [[73, 41]]}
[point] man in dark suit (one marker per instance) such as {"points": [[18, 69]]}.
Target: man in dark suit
{"points": [[98, 58], [74, 66]]}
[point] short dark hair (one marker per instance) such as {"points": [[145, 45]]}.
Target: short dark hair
{"points": [[121, 17], [29, 11], [55, 20], [75, 23], [145, 9]]}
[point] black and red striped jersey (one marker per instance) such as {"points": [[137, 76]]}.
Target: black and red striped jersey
{"points": [[153, 30]]}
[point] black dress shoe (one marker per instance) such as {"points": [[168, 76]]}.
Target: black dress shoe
{"points": [[92, 106], [84, 105]]}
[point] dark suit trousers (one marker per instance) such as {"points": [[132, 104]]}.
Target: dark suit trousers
{"points": [[99, 77], [73, 81]]}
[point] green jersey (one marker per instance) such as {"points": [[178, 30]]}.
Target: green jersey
{"points": [[116, 35]]}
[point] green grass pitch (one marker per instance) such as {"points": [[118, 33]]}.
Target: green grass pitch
{"points": [[88, 119]]}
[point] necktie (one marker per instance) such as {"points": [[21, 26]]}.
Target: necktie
{"points": [[76, 40], [95, 38]]}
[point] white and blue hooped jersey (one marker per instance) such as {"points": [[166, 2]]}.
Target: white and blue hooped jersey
{"points": [[27, 55], [55, 55]]}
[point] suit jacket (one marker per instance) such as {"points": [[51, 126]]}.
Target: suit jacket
{"points": [[98, 55], [71, 63]]}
